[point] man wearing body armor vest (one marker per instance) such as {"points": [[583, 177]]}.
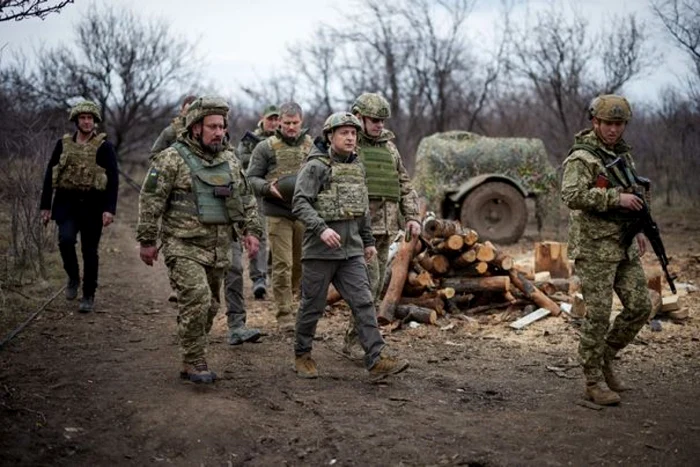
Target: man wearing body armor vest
{"points": [[196, 192], [393, 203], [599, 201], [272, 172], [171, 132], [330, 197], [83, 173]]}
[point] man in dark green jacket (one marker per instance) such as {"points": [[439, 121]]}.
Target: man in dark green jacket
{"points": [[331, 199]]}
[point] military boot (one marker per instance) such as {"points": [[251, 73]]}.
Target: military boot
{"points": [[611, 378], [305, 366], [259, 289], [286, 323], [238, 336], [351, 345], [197, 372], [600, 394], [72, 289], [387, 366], [87, 304]]}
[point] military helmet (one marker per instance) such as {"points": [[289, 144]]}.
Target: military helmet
{"points": [[339, 119], [611, 108], [203, 106], [371, 105], [85, 107]]}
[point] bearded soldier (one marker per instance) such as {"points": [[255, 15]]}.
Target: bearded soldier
{"points": [[598, 223], [330, 197], [170, 133], [196, 188], [272, 172], [393, 203], [83, 173], [233, 283]]}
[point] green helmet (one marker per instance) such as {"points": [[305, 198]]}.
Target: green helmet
{"points": [[85, 107], [611, 108], [206, 105], [371, 105], [339, 119]]}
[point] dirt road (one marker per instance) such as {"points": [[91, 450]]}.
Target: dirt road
{"points": [[103, 389]]}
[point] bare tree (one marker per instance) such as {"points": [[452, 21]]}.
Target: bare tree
{"points": [[134, 68], [18, 10]]}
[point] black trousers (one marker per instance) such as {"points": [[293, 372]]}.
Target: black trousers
{"points": [[90, 229]]}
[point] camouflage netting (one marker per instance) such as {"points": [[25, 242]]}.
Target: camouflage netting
{"points": [[444, 161]]}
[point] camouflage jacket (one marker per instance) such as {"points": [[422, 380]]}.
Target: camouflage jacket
{"points": [[264, 161], [355, 234], [181, 233], [389, 216], [168, 136], [594, 230], [244, 151]]}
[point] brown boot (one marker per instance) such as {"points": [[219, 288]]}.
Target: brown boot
{"points": [[601, 394], [286, 324], [611, 378], [197, 372], [305, 366], [387, 366]]}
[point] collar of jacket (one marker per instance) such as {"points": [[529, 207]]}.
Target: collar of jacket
{"points": [[589, 136], [197, 148], [293, 141], [260, 130], [384, 137]]}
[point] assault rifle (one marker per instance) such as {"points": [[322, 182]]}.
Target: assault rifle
{"points": [[250, 138], [642, 222]]}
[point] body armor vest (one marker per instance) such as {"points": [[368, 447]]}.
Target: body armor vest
{"points": [[382, 176], [344, 196], [212, 198], [288, 158], [77, 167]]}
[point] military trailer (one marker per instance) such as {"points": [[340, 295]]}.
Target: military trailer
{"points": [[484, 181]]}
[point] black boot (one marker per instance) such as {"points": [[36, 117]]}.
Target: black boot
{"points": [[72, 289], [87, 304]]}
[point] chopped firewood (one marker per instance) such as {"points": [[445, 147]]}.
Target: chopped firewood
{"points": [[503, 261], [526, 270], [477, 284], [669, 303], [654, 281], [441, 228], [552, 257], [440, 264], [485, 252], [420, 280], [462, 300], [543, 276], [427, 300], [655, 298], [452, 244], [399, 273], [531, 318], [446, 292], [470, 237], [507, 296], [493, 306], [533, 293], [415, 313], [465, 259], [553, 286]]}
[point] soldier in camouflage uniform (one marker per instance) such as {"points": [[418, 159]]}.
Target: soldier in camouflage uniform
{"points": [[330, 197], [233, 283], [83, 173], [170, 133], [272, 171], [598, 223], [197, 190], [393, 203]]}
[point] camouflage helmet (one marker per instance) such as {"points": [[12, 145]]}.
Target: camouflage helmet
{"points": [[85, 107], [206, 105], [611, 108], [371, 105], [339, 119]]}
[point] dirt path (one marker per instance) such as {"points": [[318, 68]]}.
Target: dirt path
{"points": [[102, 389]]}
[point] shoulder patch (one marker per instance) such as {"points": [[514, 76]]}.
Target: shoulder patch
{"points": [[151, 182]]}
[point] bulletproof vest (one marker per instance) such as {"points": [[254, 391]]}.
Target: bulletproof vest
{"points": [[212, 198], [288, 158], [77, 167], [618, 177], [344, 195], [382, 176]]}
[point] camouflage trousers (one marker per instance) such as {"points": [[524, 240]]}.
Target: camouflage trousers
{"points": [[284, 238], [233, 289], [349, 276], [598, 338], [377, 272], [197, 287]]}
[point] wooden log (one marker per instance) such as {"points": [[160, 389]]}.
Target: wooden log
{"points": [[507, 296], [451, 244], [399, 273], [465, 259], [425, 260], [503, 261], [669, 303], [440, 264], [543, 276], [427, 300], [441, 228], [470, 237], [415, 313], [333, 295], [655, 298], [654, 281], [533, 293], [552, 257], [446, 293], [494, 306], [462, 300], [526, 270], [478, 284], [553, 286], [423, 279], [485, 251]]}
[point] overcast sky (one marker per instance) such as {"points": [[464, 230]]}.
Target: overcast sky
{"points": [[242, 41]]}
